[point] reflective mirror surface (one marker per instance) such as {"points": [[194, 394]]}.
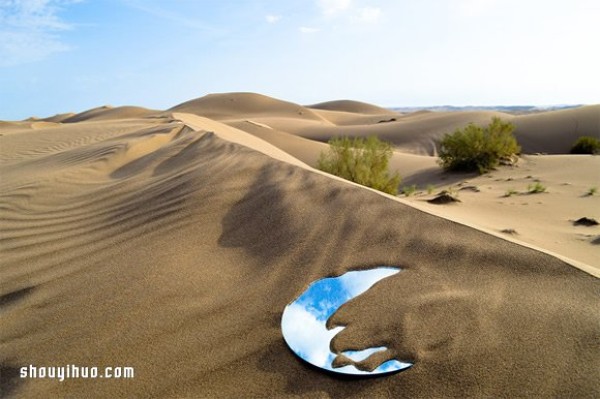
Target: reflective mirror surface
{"points": [[304, 322]]}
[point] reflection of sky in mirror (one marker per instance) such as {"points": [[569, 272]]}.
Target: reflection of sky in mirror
{"points": [[303, 321]]}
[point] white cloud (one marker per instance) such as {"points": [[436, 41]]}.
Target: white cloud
{"points": [[351, 11], [476, 8], [22, 47], [29, 30], [369, 14], [330, 7], [272, 18], [306, 29]]}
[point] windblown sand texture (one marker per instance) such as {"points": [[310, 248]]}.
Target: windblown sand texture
{"points": [[171, 241]]}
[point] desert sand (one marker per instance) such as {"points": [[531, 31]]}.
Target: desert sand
{"points": [[171, 241]]}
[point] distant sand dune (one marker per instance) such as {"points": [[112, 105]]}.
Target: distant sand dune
{"points": [[173, 243], [357, 107], [56, 118], [411, 133], [109, 113], [236, 105], [555, 132]]}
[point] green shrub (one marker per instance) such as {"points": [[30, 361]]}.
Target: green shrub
{"points": [[536, 188], [592, 191], [363, 161], [586, 145], [409, 190], [478, 149], [511, 192]]}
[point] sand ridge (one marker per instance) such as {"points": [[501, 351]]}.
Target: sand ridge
{"points": [[109, 113]]}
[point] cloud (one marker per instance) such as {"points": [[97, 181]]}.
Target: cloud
{"points": [[349, 11], [476, 8], [30, 30], [369, 14], [330, 7], [272, 18], [306, 29]]}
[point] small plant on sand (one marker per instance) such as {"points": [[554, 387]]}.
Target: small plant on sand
{"points": [[592, 191], [536, 188], [475, 148], [445, 197], [430, 189], [409, 190], [363, 161], [452, 191], [586, 145], [511, 192]]}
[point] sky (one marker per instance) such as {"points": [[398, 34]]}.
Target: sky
{"points": [[71, 55]]}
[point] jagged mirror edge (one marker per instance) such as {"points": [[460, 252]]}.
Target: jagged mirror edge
{"points": [[303, 323]]}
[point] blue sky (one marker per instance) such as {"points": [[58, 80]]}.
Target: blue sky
{"points": [[72, 55]]}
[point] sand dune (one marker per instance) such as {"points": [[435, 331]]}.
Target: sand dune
{"points": [[351, 106], [242, 105], [410, 133], [56, 118], [555, 132], [109, 113], [303, 149], [172, 244], [551, 132]]}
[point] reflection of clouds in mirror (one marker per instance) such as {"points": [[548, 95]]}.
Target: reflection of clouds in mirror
{"points": [[303, 321], [357, 282], [359, 356], [323, 297], [307, 335]]}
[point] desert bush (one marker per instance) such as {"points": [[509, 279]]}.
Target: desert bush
{"points": [[409, 190], [475, 148], [363, 161], [536, 188], [586, 145]]}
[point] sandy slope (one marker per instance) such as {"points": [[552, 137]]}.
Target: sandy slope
{"points": [[544, 220], [173, 244]]}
